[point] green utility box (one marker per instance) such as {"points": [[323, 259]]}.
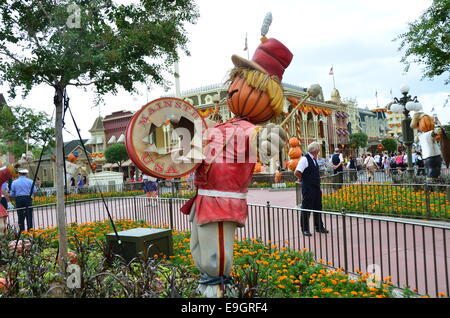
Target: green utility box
{"points": [[141, 240]]}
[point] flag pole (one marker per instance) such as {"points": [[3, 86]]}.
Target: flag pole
{"points": [[246, 46], [331, 72]]}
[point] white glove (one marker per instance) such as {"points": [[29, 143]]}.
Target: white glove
{"points": [[10, 206], [272, 139]]}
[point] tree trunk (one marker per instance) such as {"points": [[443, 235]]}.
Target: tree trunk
{"points": [[60, 208]]}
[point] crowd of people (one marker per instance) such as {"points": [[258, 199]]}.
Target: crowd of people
{"points": [[394, 163]]}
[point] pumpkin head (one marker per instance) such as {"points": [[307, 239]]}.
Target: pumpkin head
{"points": [[254, 95], [293, 164], [426, 123], [72, 157], [295, 153], [293, 142]]}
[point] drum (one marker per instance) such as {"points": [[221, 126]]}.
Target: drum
{"points": [[164, 138]]}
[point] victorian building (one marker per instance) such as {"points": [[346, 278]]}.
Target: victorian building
{"points": [[98, 144]]}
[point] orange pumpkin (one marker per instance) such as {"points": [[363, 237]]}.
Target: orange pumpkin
{"points": [[295, 153], [426, 123], [72, 158], [294, 142], [293, 164], [93, 166], [258, 167], [248, 101], [278, 176]]}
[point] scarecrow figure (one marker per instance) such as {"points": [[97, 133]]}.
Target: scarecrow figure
{"points": [[255, 96], [428, 136], [6, 173]]}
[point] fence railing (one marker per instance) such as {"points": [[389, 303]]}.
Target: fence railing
{"points": [[414, 254]]}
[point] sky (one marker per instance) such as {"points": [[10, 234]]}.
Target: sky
{"points": [[355, 37]]}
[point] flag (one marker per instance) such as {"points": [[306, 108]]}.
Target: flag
{"points": [[331, 71], [246, 43], [376, 93]]}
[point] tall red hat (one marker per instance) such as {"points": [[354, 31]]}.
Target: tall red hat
{"points": [[271, 57]]}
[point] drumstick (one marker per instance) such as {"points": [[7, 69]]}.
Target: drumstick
{"points": [[295, 109], [313, 91]]}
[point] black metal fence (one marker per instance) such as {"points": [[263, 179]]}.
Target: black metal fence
{"points": [[414, 254]]}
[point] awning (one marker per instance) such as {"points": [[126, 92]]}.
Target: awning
{"points": [[112, 140], [121, 139], [90, 142], [115, 165]]}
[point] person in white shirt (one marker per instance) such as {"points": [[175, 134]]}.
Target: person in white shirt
{"points": [[151, 189], [308, 173], [370, 165]]}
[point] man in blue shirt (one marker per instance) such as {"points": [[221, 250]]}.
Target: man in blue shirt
{"points": [[21, 190]]}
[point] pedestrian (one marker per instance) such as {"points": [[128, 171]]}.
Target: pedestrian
{"points": [[6, 173], [420, 164], [85, 182], [399, 162], [150, 189], [377, 159], [386, 164], [5, 199], [371, 166], [308, 175], [352, 167], [22, 190], [337, 160]]}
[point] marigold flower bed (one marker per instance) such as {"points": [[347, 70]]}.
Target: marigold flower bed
{"points": [[388, 200], [260, 270], [86, 196]]}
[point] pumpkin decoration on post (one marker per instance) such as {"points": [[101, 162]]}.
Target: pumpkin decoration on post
{"points": [[380, 147], [428, 136], [278, 176], [295, 153]]}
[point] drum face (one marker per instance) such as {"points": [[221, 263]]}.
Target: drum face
{"points": [[164, 138]]}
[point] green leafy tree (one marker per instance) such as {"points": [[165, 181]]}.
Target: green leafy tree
{"points": [[116, 154], [427, 40], [358, 140], [78, 43], [389, 144], [447, 129], [20, 125]]}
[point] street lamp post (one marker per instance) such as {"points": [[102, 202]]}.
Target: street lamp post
{"points": [[404, 105]]}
